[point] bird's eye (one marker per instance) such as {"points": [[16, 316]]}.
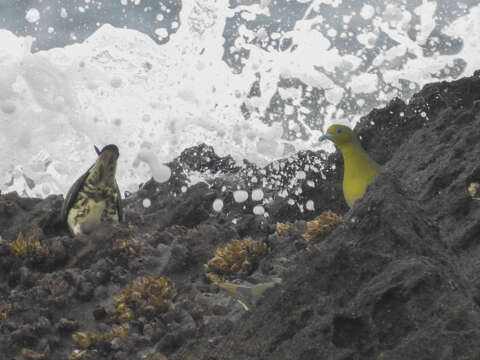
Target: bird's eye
{"points": [[339, 131]]}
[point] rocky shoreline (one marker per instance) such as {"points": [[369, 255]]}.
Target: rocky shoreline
{"points": [[394, 279]]}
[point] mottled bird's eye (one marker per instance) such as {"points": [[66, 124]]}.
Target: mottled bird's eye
{"points": [[339, 131]]}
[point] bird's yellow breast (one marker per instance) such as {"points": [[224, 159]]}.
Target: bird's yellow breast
{"points": [[359, 171]]}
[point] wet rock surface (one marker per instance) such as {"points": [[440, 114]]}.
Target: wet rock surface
{"points": [[396, 279]]}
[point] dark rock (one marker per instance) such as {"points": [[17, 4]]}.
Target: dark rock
{"points": [[225, 326], [24, 337], [99, 313], [187, 325], [218, 309], [169, 343], [393, 280], [396, 279], [66, 326], [29, 216], [42, 326], [84, 291], [300, 245]]}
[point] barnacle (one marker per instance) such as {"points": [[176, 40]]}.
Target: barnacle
{"points": [[280, 228], [237, 256], [124, 245], [85, 340], [56, 285], [23, 246], [213, 278], [319, 227], [474, 190], [30, 354], [80, 355], [146, 293]]}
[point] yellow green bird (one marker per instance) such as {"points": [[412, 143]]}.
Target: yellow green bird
{"points": [[95, 197], [359, 168]]}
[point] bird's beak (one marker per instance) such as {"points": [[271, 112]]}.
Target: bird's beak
{"points": [[96, 149], [326, 136]]}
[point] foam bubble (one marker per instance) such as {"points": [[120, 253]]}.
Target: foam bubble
{"points": [[364, 83], [426, 11], [310, 205], [160, 172], [367, 12], [32, 15], [146, 203], [257, 195], [217, 205], [301, 175], [161, 33], [63, 13], [259, 210], [240, 196]]}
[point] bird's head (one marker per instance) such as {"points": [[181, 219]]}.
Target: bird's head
{"points": [[106, 164], [339, 134]]}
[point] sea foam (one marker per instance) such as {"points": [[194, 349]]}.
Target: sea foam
{"points": [[153, 101]]}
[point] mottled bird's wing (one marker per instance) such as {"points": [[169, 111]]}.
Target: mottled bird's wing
{"points": [[119, 202], [71, 196]]}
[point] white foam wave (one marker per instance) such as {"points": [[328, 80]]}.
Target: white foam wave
{"points": [[120, 87]]}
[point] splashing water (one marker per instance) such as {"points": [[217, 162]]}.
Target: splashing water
{"points": [[121, 87]]}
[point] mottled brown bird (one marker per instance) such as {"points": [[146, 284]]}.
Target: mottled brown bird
{"points": [[95, 197]]}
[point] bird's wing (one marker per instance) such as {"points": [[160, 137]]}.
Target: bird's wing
{"points": [[71, 196], [119, 202]]}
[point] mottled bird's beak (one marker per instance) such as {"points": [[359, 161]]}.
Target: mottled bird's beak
{"points": [[326, 136]]}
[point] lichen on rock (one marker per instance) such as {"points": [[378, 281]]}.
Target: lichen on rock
{"points": [[145, 295], [86, 340], [236, 258], [321, 226], [22, 246]]}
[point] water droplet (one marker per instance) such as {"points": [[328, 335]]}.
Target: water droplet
{"points": [[310, 205], [258, 210], [240, 196], [257, 195], [217, 205]]}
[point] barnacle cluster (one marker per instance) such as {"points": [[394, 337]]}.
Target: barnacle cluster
{"points": [[85, 340], [82, 355], [322, 225], [238, 256], [5, 309], [280, 228], [23, 246], [145, 294]]}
